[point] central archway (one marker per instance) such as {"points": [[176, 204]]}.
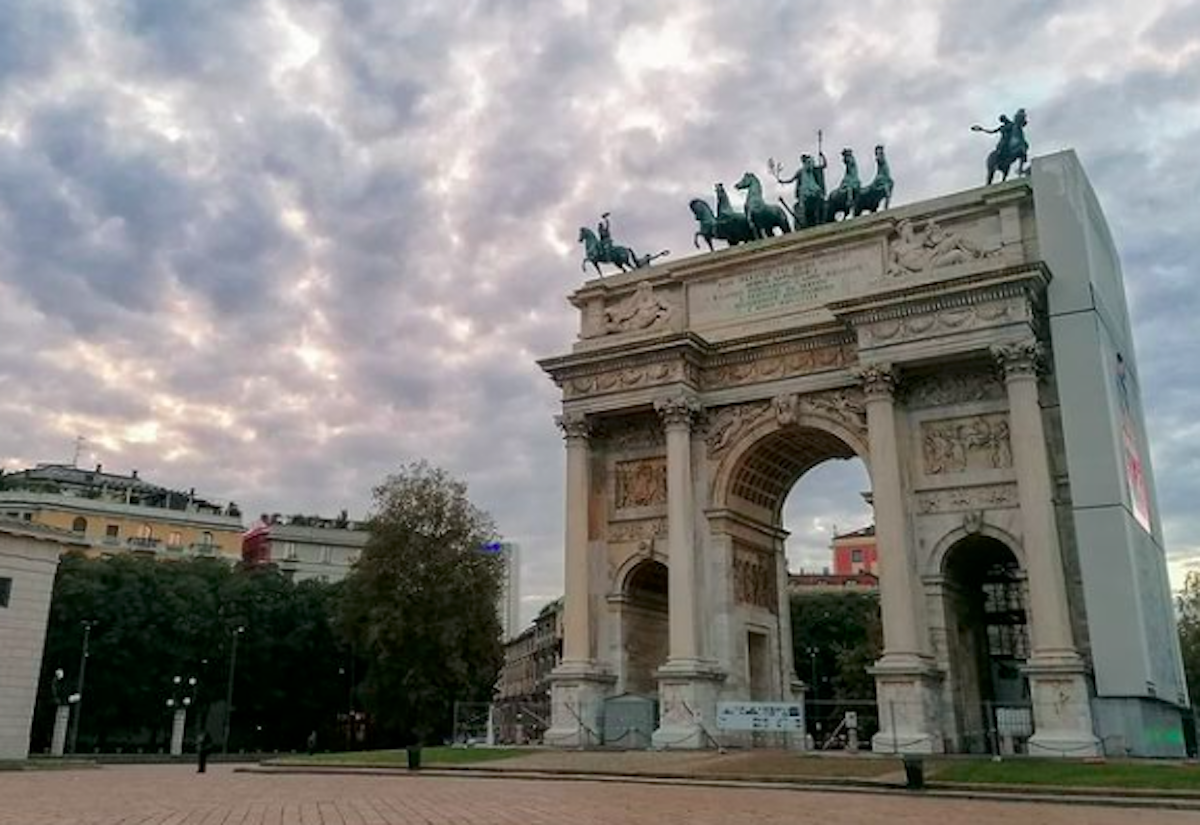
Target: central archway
{"points": [[750, 487]]}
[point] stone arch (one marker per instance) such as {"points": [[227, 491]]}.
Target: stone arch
{"points": [[936, 565], [620, 577], [775, 451]]}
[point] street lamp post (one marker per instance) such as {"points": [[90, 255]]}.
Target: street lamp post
{"points": [[238, 631], [179, 702], [812, 688], [77, 698]]}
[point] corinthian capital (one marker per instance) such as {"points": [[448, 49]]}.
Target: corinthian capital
{"points": [[574, 426], [878, 380], [677, 411], [1020, 359]]}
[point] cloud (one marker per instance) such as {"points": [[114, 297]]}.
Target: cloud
{"points": [[310, 241]]}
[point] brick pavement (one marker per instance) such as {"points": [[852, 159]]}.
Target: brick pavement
{"points": [[176, 795]]}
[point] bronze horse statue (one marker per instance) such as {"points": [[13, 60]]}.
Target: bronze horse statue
{"points": [[841, 200], [622, 257], [1011, 147], [764, 218], [879, 190], [727, 225]]}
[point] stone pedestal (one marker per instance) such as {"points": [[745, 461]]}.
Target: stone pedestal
{"points": [[62, 720], [687, 696], [1062, 709], [908, 691], [577, 694]]}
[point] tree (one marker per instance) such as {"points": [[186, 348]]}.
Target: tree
{"points": [[1189, 631], [420, 605]]}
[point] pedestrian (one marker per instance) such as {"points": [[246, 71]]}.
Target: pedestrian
{"points": [[203, 746], [312, 743]]}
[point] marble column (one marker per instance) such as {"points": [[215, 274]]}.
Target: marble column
{"points": [[688, 682], [577, 632], [906, 676], [579, 685], [1057, 674], [677, 415]]}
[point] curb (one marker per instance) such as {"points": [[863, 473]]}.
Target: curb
{"points": [[1165, 800]]}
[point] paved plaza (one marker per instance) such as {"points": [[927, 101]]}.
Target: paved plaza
{"points": [[177, 795]]}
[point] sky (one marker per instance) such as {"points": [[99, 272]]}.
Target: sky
{"points": [[277, 249]]}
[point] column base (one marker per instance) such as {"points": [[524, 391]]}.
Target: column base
{"points": [[577, 694], [687, 695], [908, 694], [1062, 708]]}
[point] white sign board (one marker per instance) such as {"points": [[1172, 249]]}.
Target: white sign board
{"points": [[770, 716]]}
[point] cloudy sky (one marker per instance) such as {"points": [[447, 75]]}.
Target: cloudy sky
{"points": [[273, 249]]}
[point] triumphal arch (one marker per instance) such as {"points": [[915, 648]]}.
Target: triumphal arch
{"points": [[974, 351]]}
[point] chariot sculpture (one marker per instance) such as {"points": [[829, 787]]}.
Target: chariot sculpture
{"points": [[599, 249]]}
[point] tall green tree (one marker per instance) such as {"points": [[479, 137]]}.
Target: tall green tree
{"points": [[420, 607], [1189, 632]]}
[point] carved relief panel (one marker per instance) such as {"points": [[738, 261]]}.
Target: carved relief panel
{"points": [[641, 483], [960, 445], [754, 579]]}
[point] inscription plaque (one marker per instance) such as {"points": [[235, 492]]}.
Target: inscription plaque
{"points": [[803, 283]]}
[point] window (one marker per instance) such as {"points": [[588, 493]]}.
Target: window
{"points": [[145, 531], [856, 556], [326, 554], [112, 531], [206, 539], [5, 591], [289, 550], [79, 525], [174, 539]]}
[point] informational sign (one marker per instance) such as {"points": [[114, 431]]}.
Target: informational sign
{"points": [[760, 716]]}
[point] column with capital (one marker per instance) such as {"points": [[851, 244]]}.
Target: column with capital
{"points": [[1057, 673], [688, 681], [579, 684], [906, 676]]}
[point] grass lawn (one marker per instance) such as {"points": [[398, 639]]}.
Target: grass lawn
{"points": [[45, 764], [1149, 775], [399, 758]]}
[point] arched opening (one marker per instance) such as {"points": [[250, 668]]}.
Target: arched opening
{"points": [[79, 525], [987, 642], [645, 630], [784, 492], [837, 633]]}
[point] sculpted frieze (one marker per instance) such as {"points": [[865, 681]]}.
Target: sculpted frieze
{"points": [[645, 309], [621, 532], [948, 388], [754, 580], [953, 319], [641, 483], [628, 378], [968, 499], [633, 433], [843, 406], [957, 445], [784, 365], [913, 251]]}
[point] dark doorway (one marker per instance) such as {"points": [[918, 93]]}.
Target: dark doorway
{"points": [[987, 641], [646, 626]]}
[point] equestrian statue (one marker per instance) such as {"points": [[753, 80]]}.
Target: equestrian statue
{"points": [[1012, 145], [841, 200], [600, 249], [879, 190], [809, 209], [764, 218], [727, 225]]}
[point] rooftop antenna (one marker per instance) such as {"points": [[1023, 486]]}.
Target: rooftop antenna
{"points": [[79, 442]]}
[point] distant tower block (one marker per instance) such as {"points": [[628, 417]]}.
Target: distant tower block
{"points": [[510, 590]]}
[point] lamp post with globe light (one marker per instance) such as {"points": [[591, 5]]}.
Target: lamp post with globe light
{"points": [[183, 694]]}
